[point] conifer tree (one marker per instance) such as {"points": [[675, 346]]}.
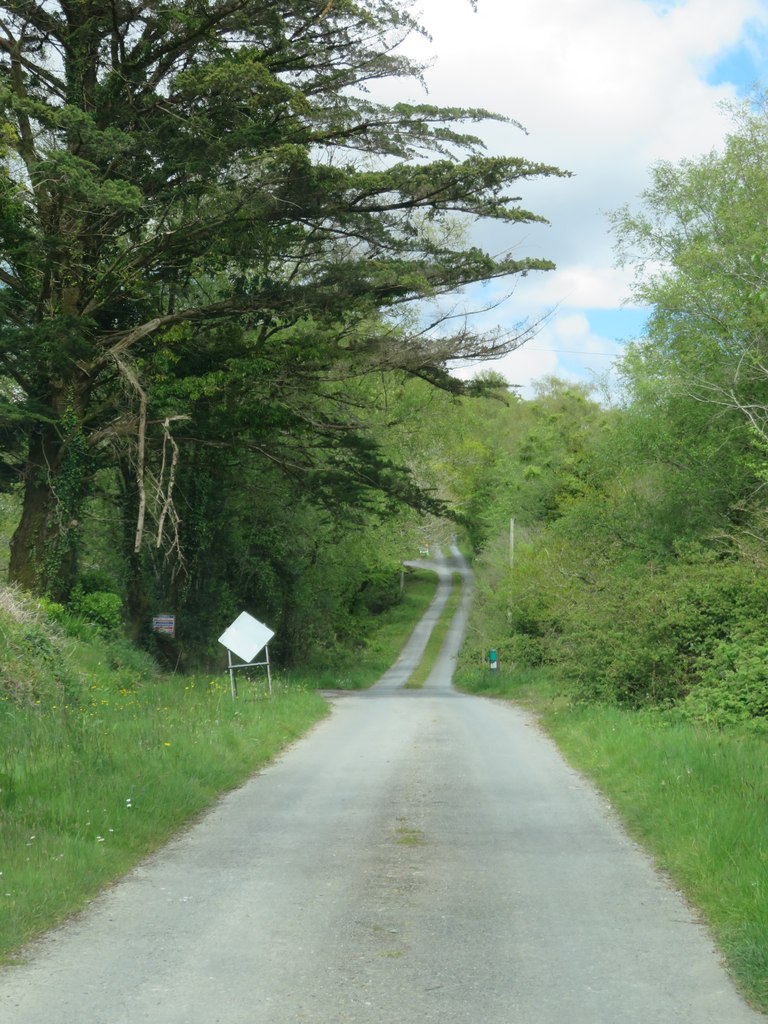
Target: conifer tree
{"points": [[210, 185]]}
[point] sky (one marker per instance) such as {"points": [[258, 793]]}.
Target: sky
{"points": [[604, 89]]}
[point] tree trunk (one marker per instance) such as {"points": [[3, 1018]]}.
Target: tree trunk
{"points": [[43, 555], [35, 544], [138, 605], [139, 613]]}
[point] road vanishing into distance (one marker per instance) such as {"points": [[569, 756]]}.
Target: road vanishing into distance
{"points": [[421, 856]]}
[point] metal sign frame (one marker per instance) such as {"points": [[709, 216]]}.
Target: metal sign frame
{"points": [[231, 667], [246, 638]]}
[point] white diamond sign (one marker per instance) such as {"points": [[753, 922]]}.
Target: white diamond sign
{"points": [[246, 637]]}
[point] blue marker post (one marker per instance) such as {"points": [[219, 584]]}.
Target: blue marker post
{"points": [[493, 660]]}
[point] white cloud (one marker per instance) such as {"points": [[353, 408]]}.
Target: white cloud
{"points": [[577, 285], [605, 88], [565, 347], [573, 327]]}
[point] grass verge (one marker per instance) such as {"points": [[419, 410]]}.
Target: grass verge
{"points": [[359, 669], [437, 636], [102, 759], [88, 790], [697, 799]]}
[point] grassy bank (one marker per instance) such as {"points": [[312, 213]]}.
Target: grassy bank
{"points": [[356, 670], [87, 790], [697, 799], [102, 759]]}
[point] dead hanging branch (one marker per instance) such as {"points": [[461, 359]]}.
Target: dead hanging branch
{"points": [[129, 374], [155, 490], [169, 519]]}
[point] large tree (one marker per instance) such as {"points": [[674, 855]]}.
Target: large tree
{"points": [[205, 191], [700, 376], [698, 245]]}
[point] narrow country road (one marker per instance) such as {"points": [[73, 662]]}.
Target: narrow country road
{"points": [[421, 856]]}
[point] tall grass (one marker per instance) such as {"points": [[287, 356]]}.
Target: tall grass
{"points": [[87, 790], [361, 668], [696, 798], [102, 758]]}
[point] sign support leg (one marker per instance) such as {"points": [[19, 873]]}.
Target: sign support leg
{"points": [[269, 674], [232, 683]]}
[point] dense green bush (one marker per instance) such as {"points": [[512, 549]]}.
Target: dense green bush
{"points": [[733, 684], [617, 645], [379, 590], [36, 667], [100, 607], [635, 632], [521, 650]]}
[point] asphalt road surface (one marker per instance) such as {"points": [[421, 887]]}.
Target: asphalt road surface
{"points": [[420, 856]]}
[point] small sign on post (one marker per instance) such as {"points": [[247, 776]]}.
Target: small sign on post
{"points": [[246, 638], [165, 625], [493, 660]]}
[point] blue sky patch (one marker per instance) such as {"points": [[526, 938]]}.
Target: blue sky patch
{"points": [[618, 324], [743, 66]]}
